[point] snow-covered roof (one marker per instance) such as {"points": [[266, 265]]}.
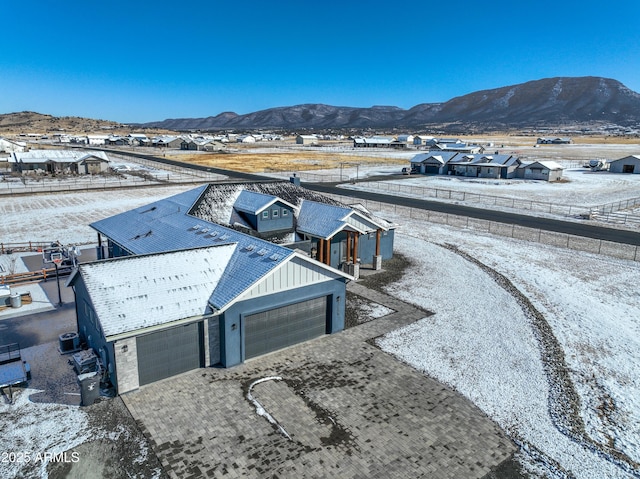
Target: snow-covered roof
{"points": [[551, 165], [57, 156], [254, 203], [168, 225], [137, 292], [439, 156], [218, 203]]}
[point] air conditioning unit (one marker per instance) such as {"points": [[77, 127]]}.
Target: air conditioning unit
{"points": [[68, 342]]}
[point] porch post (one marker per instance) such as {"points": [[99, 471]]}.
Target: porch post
{"points": [[348, 246], [321, 250], [328, 252]]}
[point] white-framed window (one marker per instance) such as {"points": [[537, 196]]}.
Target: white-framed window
{"points": [[285, 212], [275, 213], [265, 215]]}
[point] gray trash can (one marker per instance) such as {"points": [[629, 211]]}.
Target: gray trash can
{"points": [[89, 388]]}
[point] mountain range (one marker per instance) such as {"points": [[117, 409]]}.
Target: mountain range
{"points": [[538, 103]]}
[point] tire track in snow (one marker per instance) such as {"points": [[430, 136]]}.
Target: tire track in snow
{"points": [[564, 401]]}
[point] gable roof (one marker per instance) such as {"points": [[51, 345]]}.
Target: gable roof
{"points": [[135, 292], [254, 202]]}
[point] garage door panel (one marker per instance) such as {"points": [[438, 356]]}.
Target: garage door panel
{"points": [[169, 352], [281, 327]]}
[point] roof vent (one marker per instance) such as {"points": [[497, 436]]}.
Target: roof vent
{"points": [[275, 257], [250, 247], [212, 234], [224, 237], [195, 227], [205, 230], [262, 252]]}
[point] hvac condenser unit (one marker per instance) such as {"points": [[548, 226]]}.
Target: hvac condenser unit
{"points": [[68, 342]]}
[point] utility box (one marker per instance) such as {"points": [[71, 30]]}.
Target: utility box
{"points": [[89, 388]]}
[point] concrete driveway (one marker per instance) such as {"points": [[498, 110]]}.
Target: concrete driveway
{"points": [[333, 407]]}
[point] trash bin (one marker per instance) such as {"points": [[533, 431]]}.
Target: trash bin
{"points": [[16, 300], [89, 388]]}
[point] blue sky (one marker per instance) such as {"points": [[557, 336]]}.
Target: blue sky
{"points": [[139, 61]]}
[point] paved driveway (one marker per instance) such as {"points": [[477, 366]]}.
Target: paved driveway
{"points": [[341, 408]]}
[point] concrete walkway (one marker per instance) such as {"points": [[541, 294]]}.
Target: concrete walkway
{"points": [[334, 407]]}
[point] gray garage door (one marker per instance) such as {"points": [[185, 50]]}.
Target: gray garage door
{"points": [[432, 170], [169, 352], [281, 327]]}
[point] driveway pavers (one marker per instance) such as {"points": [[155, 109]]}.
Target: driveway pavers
{"points": [[342, 408]]}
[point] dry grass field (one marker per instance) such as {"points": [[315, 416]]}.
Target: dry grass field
{"points": [[279, 160]]}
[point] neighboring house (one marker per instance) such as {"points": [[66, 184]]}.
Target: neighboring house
{"points": [[60, 161], [541, 170], [554, 141], [484, 166], [96, 139], [405, 139], [628, 164], [11, 146], [306, 140], [246, 139], [421, 140], [167, 142], [374, 142], [432, 162], [458, 147], [184, 292]]}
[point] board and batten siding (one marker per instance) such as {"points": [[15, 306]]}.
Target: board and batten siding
{"points": [[294, 274]]}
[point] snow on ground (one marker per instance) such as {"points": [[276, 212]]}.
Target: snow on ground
{"points": [[482, 344], [582, 187], [65, 217], [33, 432], [12, 263]]}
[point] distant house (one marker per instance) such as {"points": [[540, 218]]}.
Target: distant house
{"points": [[459, 147], [484, 166], [541, 170], [554, 141], [306, 140], [628, 164], [167, 142], [246, 139], [11, 146], [405, 139], [373, 142], [432, 162], [96, 140], [421, 140], [60, 161]]}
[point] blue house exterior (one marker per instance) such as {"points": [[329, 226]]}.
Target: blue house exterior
{"points": [[176, 292]]}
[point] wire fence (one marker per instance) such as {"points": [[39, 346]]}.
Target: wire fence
{"points": [[563, 240]]}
